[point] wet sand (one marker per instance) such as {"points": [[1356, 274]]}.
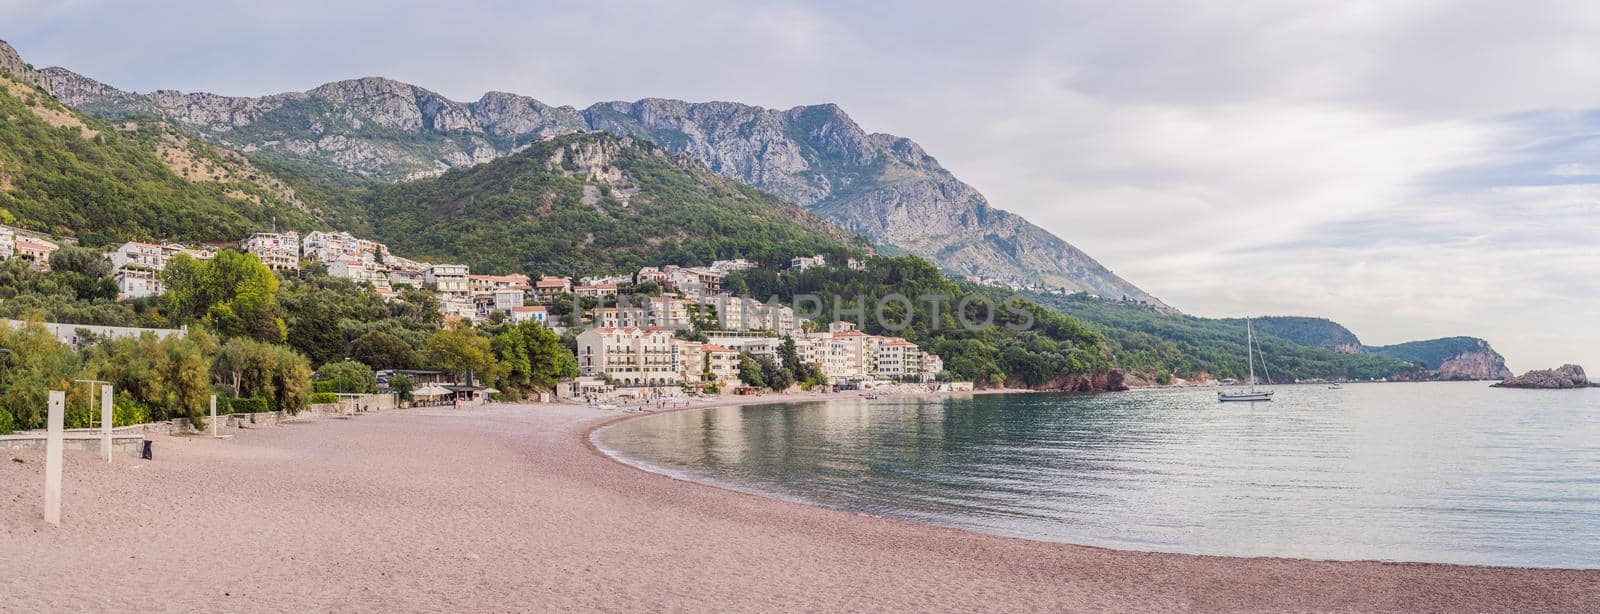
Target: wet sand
{"points": [[508, 508]]}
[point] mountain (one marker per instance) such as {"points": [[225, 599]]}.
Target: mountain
{"points": [[1463, 358], [66, 173], [592, 202], [880, 185]]}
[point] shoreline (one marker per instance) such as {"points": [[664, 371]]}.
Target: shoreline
{"points": [[590, 440], [508, 507]]}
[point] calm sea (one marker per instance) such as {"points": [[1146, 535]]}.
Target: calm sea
{"points": [[1428, 472]]}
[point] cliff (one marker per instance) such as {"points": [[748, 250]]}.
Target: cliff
{"points": [[1450, 358], [1566, 376], [12, 62]]}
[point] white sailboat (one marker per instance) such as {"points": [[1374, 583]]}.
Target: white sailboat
{"points": [[1250, 352]]}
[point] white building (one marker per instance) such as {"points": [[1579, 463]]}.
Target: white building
{"points": [[801, 263], [530, 313], [731, 266], [330, 247], [630, 356], [279, 251]]}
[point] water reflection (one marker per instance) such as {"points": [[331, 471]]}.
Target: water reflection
{"points": [[1446, 472]]}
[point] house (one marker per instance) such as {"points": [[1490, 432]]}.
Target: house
{"points": [[498, 300], [930, 367], [856, 265], [596, 291], [650, 273], [801, 263], [489, 284], [279, 251], [615, 280], [355, 269], [137, 267], [694, 281], [630, 356], [35, 250], [529, 313], [548, 288]]}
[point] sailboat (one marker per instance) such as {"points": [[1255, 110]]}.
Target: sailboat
{"points": [[1250, 352]]}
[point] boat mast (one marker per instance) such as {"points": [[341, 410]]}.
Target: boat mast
{"points": [[1249, 351]]}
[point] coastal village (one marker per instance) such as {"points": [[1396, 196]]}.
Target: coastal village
{"points": [[633, 338]]}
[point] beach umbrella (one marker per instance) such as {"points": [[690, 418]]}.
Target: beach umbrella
{"points": [[431, 390]]}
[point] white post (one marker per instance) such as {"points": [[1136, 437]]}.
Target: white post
{"points": [[52, 457], [213, 415], [105, 421]]}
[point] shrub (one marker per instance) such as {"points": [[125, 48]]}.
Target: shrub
{"points": [[127, 412], [345, 376], [6, 423], [324, 397], [250, 405]]}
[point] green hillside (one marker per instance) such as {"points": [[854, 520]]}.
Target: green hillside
{"points": [[1316, 332], [1432, 352], [591, 202], [65, 173], [1153, 342]]}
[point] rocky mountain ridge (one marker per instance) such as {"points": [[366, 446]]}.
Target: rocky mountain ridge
{"points": [[12, 62], [879, 185]]}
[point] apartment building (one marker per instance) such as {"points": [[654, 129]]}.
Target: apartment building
{"points": [[489, 284], [548, 288], [595, 291], [722, 363], [800, 263], [331, 247], [630, 356], [279, 251]]}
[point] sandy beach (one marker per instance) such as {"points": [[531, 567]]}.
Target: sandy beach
{"points": [[508, 508]]}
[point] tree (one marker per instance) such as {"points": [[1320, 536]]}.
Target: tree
{"points": [[164, 377], [774, 375], [251, 368], [382, 350], [232, 293], [750, 372], [345, 376], [402, 386], [37, 364], [532, 359], [80, 260], [459, 350]]}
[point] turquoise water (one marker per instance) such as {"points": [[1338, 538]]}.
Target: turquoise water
{"points": [[1427, 472]]}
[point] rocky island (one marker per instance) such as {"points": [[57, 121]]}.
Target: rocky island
{"points": [[1567, 376]]}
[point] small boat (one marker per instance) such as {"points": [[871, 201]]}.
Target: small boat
{"points": [[1250, 353], [870, 397], [1335, 386]]}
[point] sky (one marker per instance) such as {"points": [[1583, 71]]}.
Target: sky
{"points": [[1409, 169]]}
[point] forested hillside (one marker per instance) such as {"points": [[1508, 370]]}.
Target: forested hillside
{"points": [[1149, 341], [65, 173], [590, 203]]}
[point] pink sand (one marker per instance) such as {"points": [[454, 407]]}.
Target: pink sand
{"points": [[507, 508]]}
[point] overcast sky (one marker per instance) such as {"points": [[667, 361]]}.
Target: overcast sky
{"points": [[1411, 170]]}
